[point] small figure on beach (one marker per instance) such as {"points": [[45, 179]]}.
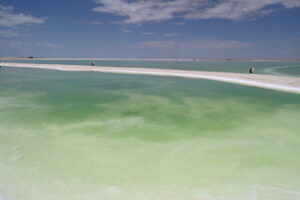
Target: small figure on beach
{"points": [[93, 63], [251, 70]]}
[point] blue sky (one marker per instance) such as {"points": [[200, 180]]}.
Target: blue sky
{"points": [[255, 29]]}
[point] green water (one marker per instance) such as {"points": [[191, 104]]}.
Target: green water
{"points": [[97, 136], [272, 68]]}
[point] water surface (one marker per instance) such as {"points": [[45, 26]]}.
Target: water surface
{"points": [[82, 135]]}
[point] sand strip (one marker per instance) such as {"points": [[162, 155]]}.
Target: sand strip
{"points": [[150, 59], [281, 83]]}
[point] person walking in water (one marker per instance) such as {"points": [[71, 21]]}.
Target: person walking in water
{"points": [[251, 70]]}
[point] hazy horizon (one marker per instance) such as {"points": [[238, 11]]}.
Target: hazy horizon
{"points": [[133, 58]]}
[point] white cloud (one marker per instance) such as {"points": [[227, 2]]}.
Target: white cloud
{"points": [[148, 33], [140, 11], [198, 44], [13, 33], [20, 44], [126, 31], [8, 18], [240, 9], [97, 23], [7, 8], [180, 23], [9, 33], [159, 44], [44, 44], [170, 34]]}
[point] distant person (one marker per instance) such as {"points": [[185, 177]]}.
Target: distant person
{"points": [[93, 63], [251, 70]]}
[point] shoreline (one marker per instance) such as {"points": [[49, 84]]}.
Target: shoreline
{"points": [[280, 83], [154, 59]]}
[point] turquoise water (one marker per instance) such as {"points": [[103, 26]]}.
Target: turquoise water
{"points": [[272, 68], [90, 136]]}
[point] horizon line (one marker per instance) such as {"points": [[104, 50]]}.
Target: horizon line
{"points": [[158, 59]]}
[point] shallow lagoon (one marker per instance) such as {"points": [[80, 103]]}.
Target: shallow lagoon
{"points": [[82, 135]]}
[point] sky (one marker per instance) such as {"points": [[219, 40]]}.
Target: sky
{"points": [[204, 29]]}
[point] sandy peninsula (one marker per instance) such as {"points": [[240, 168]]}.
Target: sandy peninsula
{"points": [[154, 59], [281, 83]]}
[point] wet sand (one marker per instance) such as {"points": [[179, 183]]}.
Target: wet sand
{"points": [[281, 83]]}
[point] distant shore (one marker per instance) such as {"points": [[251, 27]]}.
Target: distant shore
{"points": [[281, 83], [154, 59]]}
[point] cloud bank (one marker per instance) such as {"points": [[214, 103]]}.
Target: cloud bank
{"points": [[8, 18], [140, 11], [198, 44], [21, 44]]}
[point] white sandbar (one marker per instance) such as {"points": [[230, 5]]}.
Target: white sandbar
{"points": [[282, 83]]}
